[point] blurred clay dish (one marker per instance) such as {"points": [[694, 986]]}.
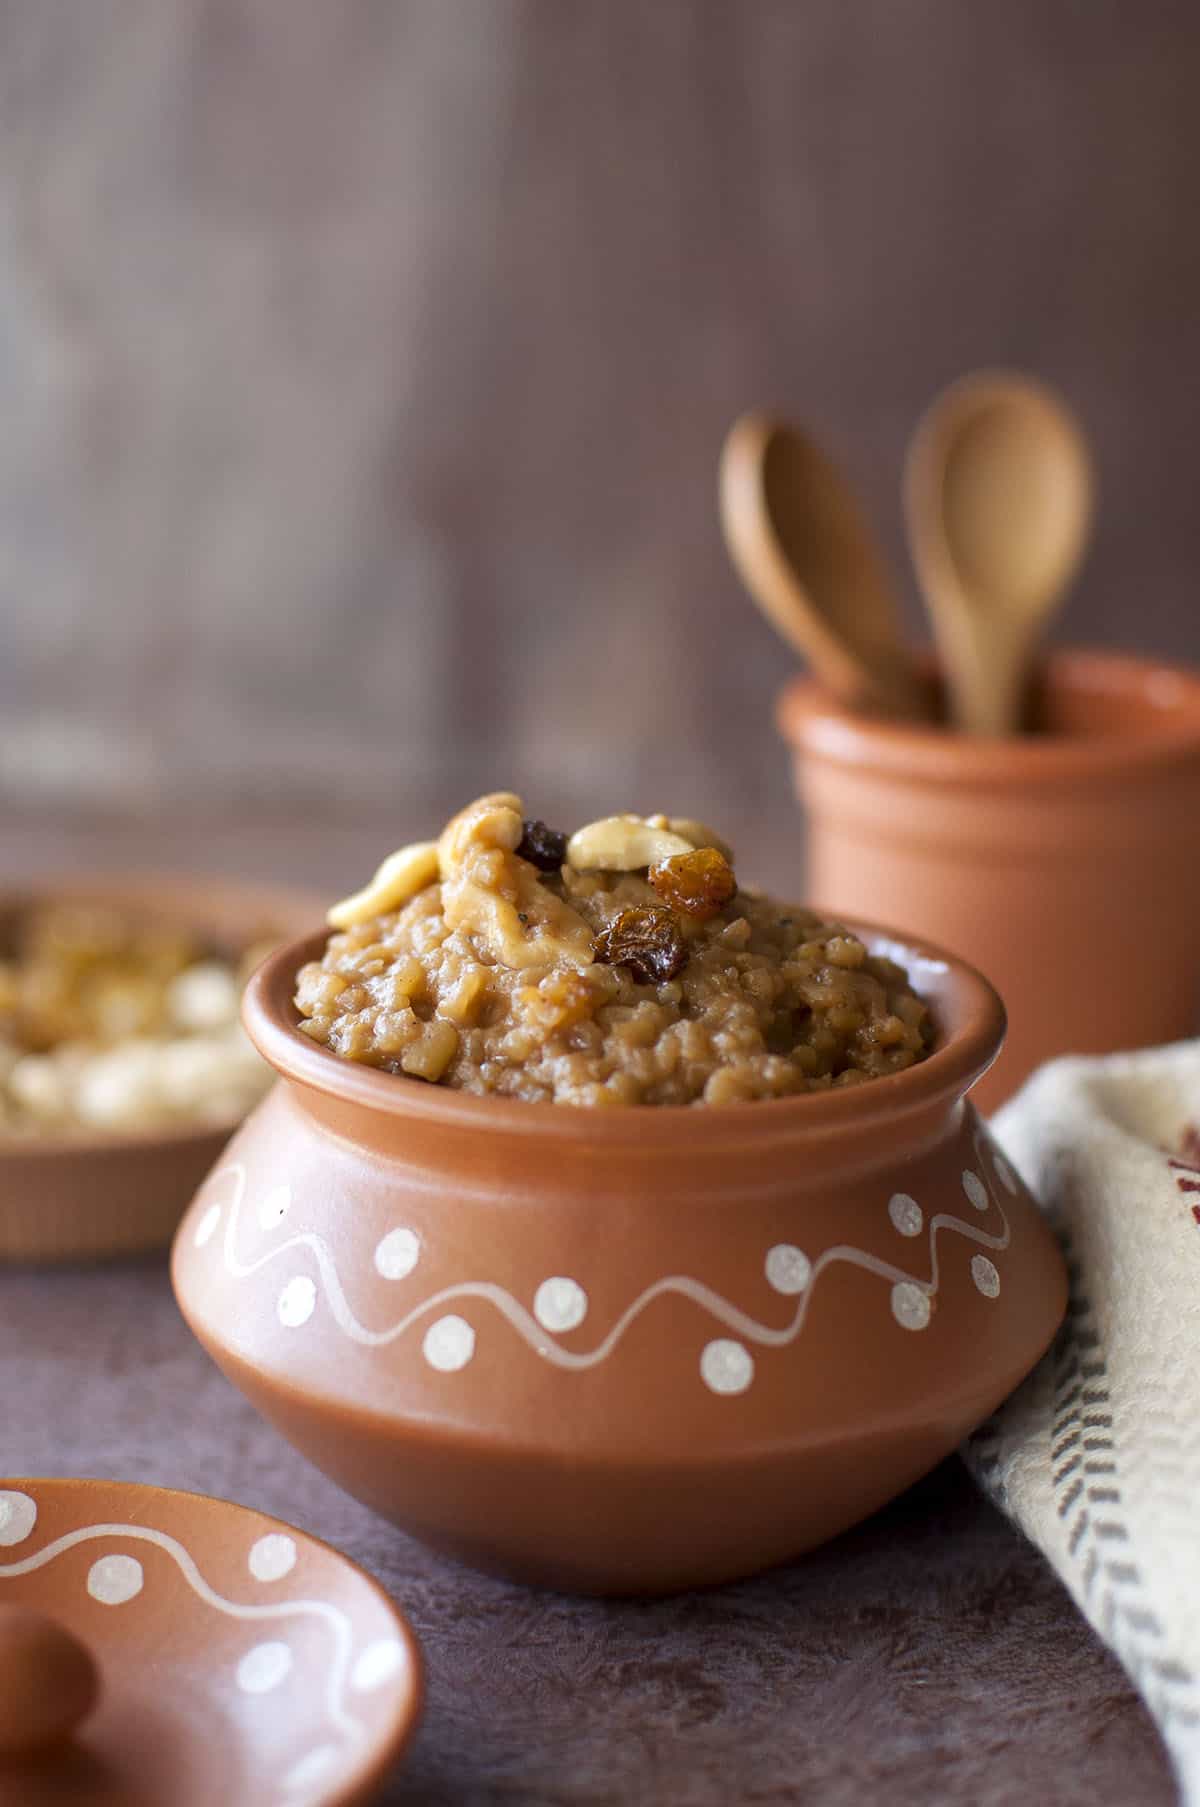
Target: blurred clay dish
{"points": [[123, 1067], [115, 1022], [165, 1647]]}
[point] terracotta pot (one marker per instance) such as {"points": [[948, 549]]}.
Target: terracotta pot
{"points": [[626, 1351], [79, 1195], [1064, 863]]}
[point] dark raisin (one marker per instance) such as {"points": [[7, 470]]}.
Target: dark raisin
{"points": [[647, 940], [521, 916], [543, 847], [700, 882]]}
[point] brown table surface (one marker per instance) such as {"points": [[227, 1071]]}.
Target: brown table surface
{"points": [[928, 1655]]}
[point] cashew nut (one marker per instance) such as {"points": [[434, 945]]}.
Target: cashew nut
{"points": [[400, 877], [623, 844], [491, 821], [698, 834]]}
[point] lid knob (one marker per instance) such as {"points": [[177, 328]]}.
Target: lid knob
{"points": [[48, 1681]]}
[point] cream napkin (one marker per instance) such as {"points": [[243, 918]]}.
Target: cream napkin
{"points": [[1097, 1456]]}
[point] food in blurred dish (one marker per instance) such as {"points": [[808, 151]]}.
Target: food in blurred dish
{"points": [[622, 965], [112, 1023]]}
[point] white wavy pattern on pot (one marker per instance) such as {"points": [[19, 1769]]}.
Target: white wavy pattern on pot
{"points": [[527, 1326], [332, 1615]]}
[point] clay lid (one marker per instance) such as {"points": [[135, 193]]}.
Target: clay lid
{"points": [[238, 1659]]}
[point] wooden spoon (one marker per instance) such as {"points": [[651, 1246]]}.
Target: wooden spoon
{"points": [[802, 549], [998, 493]]}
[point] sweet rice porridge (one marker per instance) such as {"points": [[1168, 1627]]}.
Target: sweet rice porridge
{"points": [[624, 965]]}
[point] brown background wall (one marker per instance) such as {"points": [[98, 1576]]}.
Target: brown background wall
{"points": [[363, 366]]}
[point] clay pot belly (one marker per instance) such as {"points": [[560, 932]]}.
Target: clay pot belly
{"points": [[622, 1533]]}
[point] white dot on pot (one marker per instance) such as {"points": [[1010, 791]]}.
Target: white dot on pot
{"points": [[449, 1344], [397, 1254], [274, 1207], [1008, 1178], [910, 1305], [726, 1366], [297, 1301], [906, 1214], [975, 1190], [560, 1303], [788, 1268]]}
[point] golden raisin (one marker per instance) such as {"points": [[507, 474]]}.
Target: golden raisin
{"points": [[646, 939], [699, 883]]}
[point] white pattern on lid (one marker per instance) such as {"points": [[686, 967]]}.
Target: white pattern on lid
{"points": [[377, 1664], [115, 1579], [312, 1768], [18, 1516], [263, 1667], [272, 1557]]}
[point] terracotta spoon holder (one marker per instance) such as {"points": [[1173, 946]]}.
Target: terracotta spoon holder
{"points": [[1065, 863]]}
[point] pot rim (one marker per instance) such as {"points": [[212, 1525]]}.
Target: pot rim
{"points": [[971, 1018], [816, 725]]}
